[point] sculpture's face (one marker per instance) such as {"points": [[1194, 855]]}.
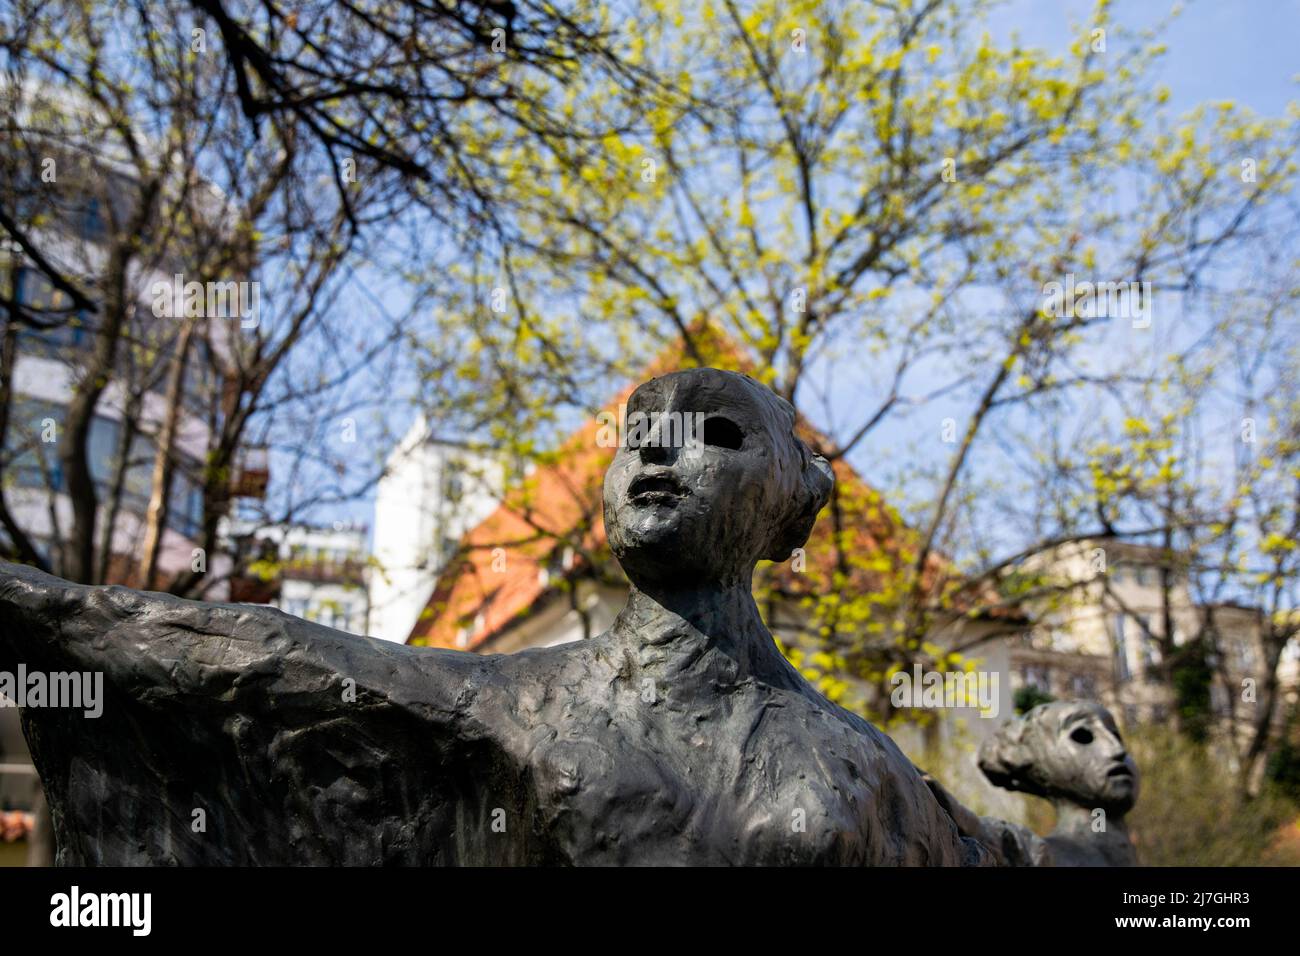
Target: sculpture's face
{"points": [[1070, 750], [708, 479], [1082, 757]]}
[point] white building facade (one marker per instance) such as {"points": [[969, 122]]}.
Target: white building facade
{"points": [[431, 494]]}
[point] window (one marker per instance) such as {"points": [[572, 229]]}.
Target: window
{"points": [[453, 487], [186, 516], [32, 289], [1037, 675], [1122, 672], [92, 220], [101, 449], [1147, 641], [35, 463]]}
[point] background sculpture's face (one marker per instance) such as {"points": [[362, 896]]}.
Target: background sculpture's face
{"points": [[1085, 759], [701, 512]]}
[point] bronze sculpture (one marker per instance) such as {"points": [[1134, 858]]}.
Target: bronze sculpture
{"points": [[679, 736], [1071, 754]]}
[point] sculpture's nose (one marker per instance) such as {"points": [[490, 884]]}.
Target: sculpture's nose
{"points": [[655, 451]]}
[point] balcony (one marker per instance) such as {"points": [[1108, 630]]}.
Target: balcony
{"points": [[252, 472], [325, 570]]}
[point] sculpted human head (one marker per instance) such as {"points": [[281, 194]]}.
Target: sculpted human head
{"points": [[711, 480], [1069, 750]]}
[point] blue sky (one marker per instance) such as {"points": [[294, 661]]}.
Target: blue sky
{"points": [[1243, 50]]}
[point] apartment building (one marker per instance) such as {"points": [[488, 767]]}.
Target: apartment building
{"points": [[1101, 633], [318, 573]]}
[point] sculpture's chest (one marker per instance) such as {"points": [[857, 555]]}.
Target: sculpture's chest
{"points": [[742, 789]]}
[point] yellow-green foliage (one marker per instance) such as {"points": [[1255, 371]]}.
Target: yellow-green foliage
{"points": [[1191, 811]]}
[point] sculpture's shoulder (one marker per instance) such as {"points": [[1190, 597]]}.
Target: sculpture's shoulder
{"points": [[802, 721], [530, 696], [854, 780], [1102, 850]]}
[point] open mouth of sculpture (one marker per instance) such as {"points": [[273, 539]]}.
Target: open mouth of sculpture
{"points": [[655, 490], [1120, 771]]}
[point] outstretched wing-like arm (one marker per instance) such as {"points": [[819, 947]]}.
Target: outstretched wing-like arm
{"points": [[1010, 843], [240, 735]]}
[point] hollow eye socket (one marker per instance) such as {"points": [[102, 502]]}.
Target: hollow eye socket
{"points": [[1081, 735], [723, 432]]}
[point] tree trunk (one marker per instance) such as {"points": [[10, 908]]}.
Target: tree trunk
{"points": [[164, 464], [130, 422]]}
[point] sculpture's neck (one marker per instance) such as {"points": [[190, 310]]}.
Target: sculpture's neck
{"points": [[712, 634], [1078, 825]]}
